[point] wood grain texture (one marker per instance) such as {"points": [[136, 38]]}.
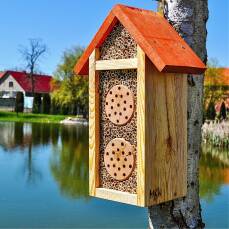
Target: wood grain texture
{"points": [[123, 197], [93, 124], [116, 64], [141, 178], [161, 135], [165, 135]]}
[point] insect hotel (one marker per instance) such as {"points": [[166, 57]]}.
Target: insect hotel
{"points": [[137, 66]]}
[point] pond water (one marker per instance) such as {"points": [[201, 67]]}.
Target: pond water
{"points": [[44, 182]]}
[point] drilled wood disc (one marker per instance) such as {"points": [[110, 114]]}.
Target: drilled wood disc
{"points": [[119, 104], [119, 159]]}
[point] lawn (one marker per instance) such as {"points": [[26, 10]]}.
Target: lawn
{"points": [[28, 117]]}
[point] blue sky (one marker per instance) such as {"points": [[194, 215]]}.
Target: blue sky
{"points": [[62, 24]]}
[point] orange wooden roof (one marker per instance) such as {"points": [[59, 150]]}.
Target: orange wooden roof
{"points": [[152, 32]]}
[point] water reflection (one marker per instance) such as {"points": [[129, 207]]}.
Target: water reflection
{"points": [[21, 136], [214, 171], [68, 157], [69, 162]]}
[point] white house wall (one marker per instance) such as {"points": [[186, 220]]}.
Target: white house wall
{"points": [[4, 85]]}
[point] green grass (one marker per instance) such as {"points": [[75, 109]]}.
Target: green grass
{"points": [[28, 117]]}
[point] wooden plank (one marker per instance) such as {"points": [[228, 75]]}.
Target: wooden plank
{"points": [[123, 197], [166, 135], [116, 64], [93, 124], [141, 178]]}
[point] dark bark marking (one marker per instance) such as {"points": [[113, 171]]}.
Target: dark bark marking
{"points": [[180, 219], [188, 115], [196, 123], [191, 81]]}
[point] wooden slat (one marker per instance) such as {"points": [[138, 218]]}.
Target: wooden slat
{"points": [[93, 124], [123, 197], [116, 64], [141, 179], [166, 135]]}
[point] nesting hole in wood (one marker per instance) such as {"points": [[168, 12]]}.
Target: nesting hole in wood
{"points": [[119, 105], [121, 154]]}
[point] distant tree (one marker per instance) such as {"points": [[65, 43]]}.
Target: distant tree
{"points": [[212, 87], [211, 112], [65, 69], [223, 111], [32, 55], [55, 108], [71, 90], [36, 103], [46, 104], [19, 102], [65, 109]]}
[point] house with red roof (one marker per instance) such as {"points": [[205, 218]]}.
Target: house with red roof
{"points": [[12, 82]]}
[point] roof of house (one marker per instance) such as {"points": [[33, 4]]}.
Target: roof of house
{"points": [[42, 82], [153, 33], [2, 74], [222, 78]]}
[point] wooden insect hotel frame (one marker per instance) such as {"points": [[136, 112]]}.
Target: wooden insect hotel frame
{"points": [[137, 66]]}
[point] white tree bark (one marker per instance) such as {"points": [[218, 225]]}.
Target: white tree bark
{"points": [[189, 18]]}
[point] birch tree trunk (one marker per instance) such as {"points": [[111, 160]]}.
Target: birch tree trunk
{"points": [[189, 18]]}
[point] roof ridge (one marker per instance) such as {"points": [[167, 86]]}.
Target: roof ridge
{"points": [[27, 73], [134, 8]]}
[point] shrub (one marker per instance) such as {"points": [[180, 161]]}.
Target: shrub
{"points": [[36, 103], [65, 109], [46, 104], [223, 112], [211, 112], [19, 102]]}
